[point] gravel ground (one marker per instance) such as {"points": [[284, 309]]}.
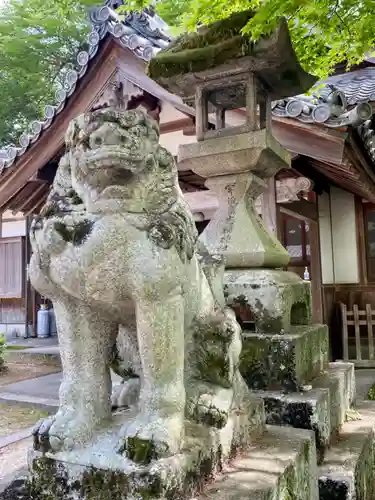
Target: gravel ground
{"points": [[14, 457]]}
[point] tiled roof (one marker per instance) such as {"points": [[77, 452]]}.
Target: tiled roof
{"points": [[143, 33], [343, 101], [358, 86], [329, 106]]}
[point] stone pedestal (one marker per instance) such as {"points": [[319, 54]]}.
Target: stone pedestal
{"points": [[285, 361], [237, 168], [276, 299], [97, 471]]}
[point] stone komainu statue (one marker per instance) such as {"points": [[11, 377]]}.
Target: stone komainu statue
{"points": [[115, 249]]}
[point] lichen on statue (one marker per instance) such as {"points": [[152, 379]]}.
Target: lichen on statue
{"points": [[115, 249]]}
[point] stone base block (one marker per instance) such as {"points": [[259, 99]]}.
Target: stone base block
{"points": [[108, 475], [275, 299], [286, 361], [322, 407], [281, 465], [339, 379], [309, 410], [347, 471]]}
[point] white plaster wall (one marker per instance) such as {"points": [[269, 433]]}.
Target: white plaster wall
{"points": [[12, 224], [13, 228], [326, 250], [344, 237], [172, 140]]}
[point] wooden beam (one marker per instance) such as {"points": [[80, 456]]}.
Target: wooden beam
{"points": [[311, 141], [189, 131], [34, 196], [176, 125], [134, 71], [307, 139], [36, 207], [302, 209]]}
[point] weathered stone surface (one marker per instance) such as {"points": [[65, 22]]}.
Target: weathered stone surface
{"points": [[108, 475], [258, 152], [339, 379], [302, 410], [116, 250], [222, 47], [347, 471], [287, 361], [275, 299], [322, 406], [281, 465], [235, 168]]}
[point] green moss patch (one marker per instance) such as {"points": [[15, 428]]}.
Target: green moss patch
{"points": [[77, 234], [371, 393], [214, 45], [284, 361]]}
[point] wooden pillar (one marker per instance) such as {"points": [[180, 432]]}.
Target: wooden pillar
{"points": [[316, 273], [316, 266], [27, 286], [34, 312], [361, 240]]}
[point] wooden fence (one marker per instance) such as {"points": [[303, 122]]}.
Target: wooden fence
{"points": [[358, 335]]}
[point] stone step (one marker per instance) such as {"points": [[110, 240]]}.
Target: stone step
{"points": [[347, 470], [322, 407], [278, 466], [58, 476], [339, 379], [286, 361], [301, 410]]}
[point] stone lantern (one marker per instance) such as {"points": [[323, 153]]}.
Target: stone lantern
{"points": [[217, 70]]}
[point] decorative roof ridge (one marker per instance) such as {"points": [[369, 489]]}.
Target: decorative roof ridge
{"points": [[328, 107], [367, 134], [131, 33]]}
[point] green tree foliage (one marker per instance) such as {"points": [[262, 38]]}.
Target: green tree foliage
{"points": [[324, 32], [38, 40]]}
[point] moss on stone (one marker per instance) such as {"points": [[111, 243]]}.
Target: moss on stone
{"points": [[210, 47], [75, 199], [77, 234], [54, 480], [141, 451], [371, 393], [284, 361], [268, 364]]}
